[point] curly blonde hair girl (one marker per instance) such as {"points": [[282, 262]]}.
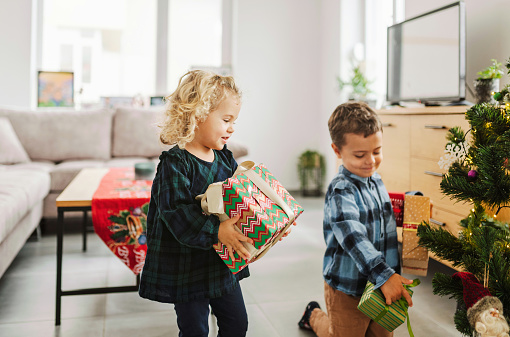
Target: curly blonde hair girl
{"points": [[198, 93]]}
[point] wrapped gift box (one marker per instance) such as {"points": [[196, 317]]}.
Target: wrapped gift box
{"points": [[373, 304], [265, 207], [397, 203], [415, 259]]}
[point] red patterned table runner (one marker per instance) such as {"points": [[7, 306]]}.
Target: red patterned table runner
{"points": [[119, 214]]}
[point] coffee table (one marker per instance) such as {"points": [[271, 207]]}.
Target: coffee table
{"points": [[77, 196]]}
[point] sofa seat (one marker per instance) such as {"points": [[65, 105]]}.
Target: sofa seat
{"points": [[22, 192], [63, 173]]}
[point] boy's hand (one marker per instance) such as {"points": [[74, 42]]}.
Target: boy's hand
{"points": [[232, 238], [393, 289]]}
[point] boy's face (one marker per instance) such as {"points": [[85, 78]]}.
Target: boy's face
{"points": [[215, 131], [361, 156]]}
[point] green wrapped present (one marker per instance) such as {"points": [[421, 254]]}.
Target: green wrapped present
{"points": [[373, 304]]}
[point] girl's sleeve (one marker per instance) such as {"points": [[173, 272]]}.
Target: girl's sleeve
{"points": [[179, 211], [351, 234]]}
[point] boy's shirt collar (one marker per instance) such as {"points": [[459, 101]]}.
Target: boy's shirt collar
{"points": [[351, 175]]}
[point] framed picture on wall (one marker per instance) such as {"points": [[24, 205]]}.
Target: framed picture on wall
{"points": [[157, 100], [55, 88]]}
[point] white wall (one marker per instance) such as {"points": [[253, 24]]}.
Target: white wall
{"points": [[487, 33], [287, 55], [277, 65], [17, 54], [331, 65]]}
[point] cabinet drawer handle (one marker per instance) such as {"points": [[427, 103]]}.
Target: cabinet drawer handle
{"points": [[435, 127], [386, 125], [432, 173], [439, 223]]}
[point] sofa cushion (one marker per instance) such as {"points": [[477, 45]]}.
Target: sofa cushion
{"points": [[238, 149], [11, 150], [125, 162], [45, 166], [63, 173], [20, 190], [135, 133], [57, 135]]}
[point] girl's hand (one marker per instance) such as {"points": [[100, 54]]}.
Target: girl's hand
{"points": [[393, 289], [232, 239], [288, 231]]}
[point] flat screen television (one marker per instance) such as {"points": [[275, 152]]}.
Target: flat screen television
{"points": [[427, 57]]}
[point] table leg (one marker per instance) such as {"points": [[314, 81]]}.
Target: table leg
{"points": [[84, 229], [60, 242]]}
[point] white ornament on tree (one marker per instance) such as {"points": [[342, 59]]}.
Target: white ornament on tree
{"points": [[453, 153]]}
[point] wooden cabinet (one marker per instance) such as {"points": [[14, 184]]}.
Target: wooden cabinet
{"points": [[395, 167], [414, 140]]}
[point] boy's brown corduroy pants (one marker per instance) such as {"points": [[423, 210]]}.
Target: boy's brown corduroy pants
{"points": [[343, 318]]}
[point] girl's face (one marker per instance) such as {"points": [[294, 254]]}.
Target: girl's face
{"points": [[214, 132]]}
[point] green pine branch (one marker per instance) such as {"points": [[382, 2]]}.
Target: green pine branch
{"points": [[445, 285], [481, 176], [443, 243], [487, 123], [462, 323], [455, 135], [499, 281]]}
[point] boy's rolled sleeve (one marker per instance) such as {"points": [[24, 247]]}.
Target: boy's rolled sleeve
{"points": [[381, 273]]}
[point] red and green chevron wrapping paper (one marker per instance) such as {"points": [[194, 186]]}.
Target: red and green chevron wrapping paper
{"points": [[262, 219]]}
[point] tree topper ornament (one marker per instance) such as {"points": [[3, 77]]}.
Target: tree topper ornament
{"points": [[484, 311]]}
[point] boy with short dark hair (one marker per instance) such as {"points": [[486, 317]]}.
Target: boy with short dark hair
{"points": [[359, 229]]}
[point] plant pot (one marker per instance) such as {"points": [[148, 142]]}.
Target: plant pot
{"points": [[311, 168], [484, 90], [312, 183]]}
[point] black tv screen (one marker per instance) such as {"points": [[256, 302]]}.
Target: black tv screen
{"points": [[427, 57]]}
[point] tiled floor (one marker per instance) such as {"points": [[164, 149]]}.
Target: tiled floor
{"points": [[281, 285]]}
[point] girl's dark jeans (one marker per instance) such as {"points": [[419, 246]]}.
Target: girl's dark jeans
{"points": [[230, 312]]}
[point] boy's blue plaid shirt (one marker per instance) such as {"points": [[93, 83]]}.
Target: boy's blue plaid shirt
{"points": [[360, 233], [181, 265]]}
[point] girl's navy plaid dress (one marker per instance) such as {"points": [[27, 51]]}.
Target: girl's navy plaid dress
{"points": [[181, 265]]}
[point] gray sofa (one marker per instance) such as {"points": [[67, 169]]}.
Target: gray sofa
{"points": [[42, 151]]}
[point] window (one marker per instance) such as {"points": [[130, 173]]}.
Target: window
{"points": [[111, 45], [379, 15]]}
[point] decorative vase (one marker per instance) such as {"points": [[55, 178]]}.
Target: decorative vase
{"points": [[484, 90]]}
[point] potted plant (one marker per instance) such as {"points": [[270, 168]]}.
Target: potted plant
{"points": [[311, 170], [503, 97], [359, 85], [487, 82]]}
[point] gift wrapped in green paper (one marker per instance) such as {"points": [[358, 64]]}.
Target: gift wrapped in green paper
{"points": [[373, 304]]}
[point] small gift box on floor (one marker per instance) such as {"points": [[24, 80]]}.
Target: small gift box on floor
{"points": [[415, 259], [397, 203], [373, 304], [265, 207]]}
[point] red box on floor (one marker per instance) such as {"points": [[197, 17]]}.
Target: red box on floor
{"points": [[397, 202]]}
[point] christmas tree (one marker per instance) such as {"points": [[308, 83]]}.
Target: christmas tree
{"points": [[478, 172]]}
